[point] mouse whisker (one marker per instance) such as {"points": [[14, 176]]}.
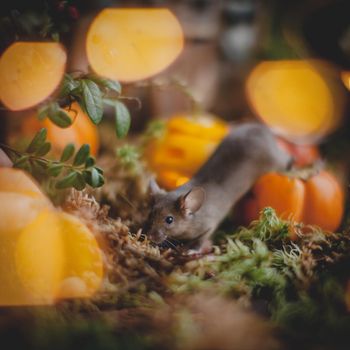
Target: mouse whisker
{"points": [[171, 244], [174, 240]]}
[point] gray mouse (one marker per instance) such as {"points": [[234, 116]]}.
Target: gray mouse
{"points": [[193, 211]]}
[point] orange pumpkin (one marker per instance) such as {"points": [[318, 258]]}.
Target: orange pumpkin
{"points": [[316, 200], [303, 154], [187, 143], [81, 131]]}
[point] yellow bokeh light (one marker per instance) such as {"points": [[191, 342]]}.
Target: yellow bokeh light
{"points": [[30, 72], [45, 254], [83, 268], [345, 77], [300, 100], [39, 255], [15, 180], [133, 44]]}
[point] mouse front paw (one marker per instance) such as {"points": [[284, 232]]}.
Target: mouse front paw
{"points": [[205, 248]]}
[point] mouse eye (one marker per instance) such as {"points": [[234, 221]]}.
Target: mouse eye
{"points": [[169, 219]]}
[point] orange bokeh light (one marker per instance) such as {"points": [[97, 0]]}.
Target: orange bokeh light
{"points": [[30, 72], [45, 255], [301, 100], [345, 77], [133, 44]]}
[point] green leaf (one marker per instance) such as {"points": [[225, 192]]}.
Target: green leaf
{"points": [[21, 161], [67, 152], [92, 100], [68, 85], [55, 169], [42, 112], [113, 85], [39, 167], [90, 162], [60, 117], [26, 166], [40, 163], [94, 177], [99, 170], [79, 183], [122, 119], [43, 150], [67, 181], [37, 141], [101, 180], [82, 155], [87, 176]]}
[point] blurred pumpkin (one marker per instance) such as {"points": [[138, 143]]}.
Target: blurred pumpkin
{"points": [[317, 199], [81, 131], [187, 143], [303, 154], [30, 72], [42, 248]]}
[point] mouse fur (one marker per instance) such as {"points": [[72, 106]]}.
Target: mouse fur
{"points": [[194, 210]]}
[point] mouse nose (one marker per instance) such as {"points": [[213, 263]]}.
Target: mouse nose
{"points": [[157, 236]]}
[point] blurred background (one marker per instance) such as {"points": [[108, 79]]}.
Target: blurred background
{"points": [[225, 39], [283, 63]]}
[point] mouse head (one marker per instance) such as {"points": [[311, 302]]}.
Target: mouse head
{"points": [[173, 215]]}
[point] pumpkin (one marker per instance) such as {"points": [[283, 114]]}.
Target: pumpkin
{"points": [[133, 43], [30, 72], [81, 131], [185, 146], [314, 200], [45, 254]]}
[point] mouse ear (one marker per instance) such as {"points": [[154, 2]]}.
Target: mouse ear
{"points": [[192, 200], [154, 189]]}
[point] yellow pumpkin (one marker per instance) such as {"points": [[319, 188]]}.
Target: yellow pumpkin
{"points": [[188, 142]]}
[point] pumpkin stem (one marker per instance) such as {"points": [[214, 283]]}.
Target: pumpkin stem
{"points": [[306, 172]]}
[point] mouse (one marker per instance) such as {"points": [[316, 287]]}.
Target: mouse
{"points": [[192, 212]]}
